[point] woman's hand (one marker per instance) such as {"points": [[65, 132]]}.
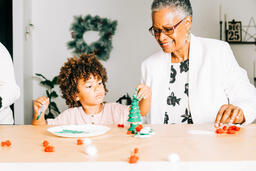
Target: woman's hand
{"points": [[143, 91], [229, 113], [40, 106]]}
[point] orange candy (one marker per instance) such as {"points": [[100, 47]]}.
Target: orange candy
{"points": [[219, 131], [133, 159], [129, 132], [136, 150], [45, 143], [237, 129], [229, 130], [49, 149], [79, 142], [6, 143], [134, 156], [224, 128], [138, 128]]}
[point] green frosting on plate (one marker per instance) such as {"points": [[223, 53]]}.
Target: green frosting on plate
{"points": [[66, 131]]}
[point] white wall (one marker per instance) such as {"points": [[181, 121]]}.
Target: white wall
{"points": [[131, 44], [22, 55], [18, 57]]}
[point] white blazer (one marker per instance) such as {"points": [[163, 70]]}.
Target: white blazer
{"points": [[214, 79], [9, 91]]}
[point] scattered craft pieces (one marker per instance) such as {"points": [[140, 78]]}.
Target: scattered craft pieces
{"points": [[129, 132], [45, 143], [224, 128], [237, 128], [136, 150], [6, 143], [79, 142], [139, 127], [133, 159], [229, 130], [134, 156], [220, 131], [120, 125], [49, 149]]}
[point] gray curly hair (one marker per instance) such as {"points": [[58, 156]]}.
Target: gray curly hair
{"points": [[183, 5]]}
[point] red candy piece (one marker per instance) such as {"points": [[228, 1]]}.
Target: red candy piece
{"points": [[3, 143], [49, 149], [45, 143], [138, 128], [120, 125], [79, 142], [219, 131], [232, 128], [237, 128], [133, 159], [136, 150], [230, 131], [6, 143], [224, 128], [129, 132]]}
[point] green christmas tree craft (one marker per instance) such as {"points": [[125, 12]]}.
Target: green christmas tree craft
{"points": [[135, 120], [134, 116]]}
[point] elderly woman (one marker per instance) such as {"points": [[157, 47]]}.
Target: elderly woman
{"points": [[193, 79]]}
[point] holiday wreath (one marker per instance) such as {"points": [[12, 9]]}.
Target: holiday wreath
{"points": [[100, 48]]}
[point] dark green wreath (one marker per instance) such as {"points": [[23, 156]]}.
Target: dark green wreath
{"points": [[100, 48]]}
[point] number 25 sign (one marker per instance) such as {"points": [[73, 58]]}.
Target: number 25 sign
{"points": [[234, 31]]}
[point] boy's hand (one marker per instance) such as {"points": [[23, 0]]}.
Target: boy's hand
{"points": [[39, 103], [143, 91]]}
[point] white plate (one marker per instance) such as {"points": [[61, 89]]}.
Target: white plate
{"points": [[78, 130]]}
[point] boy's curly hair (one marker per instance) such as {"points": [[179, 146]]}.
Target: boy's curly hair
{"points": [[74, 70]]}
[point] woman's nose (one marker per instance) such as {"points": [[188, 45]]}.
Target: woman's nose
{"points": [[162, 36]]}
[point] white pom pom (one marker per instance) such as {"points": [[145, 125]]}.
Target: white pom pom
{"points": [[91, 150], [173, 157]]}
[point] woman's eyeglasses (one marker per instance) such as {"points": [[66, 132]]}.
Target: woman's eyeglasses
{"points": [[167, 31]]}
